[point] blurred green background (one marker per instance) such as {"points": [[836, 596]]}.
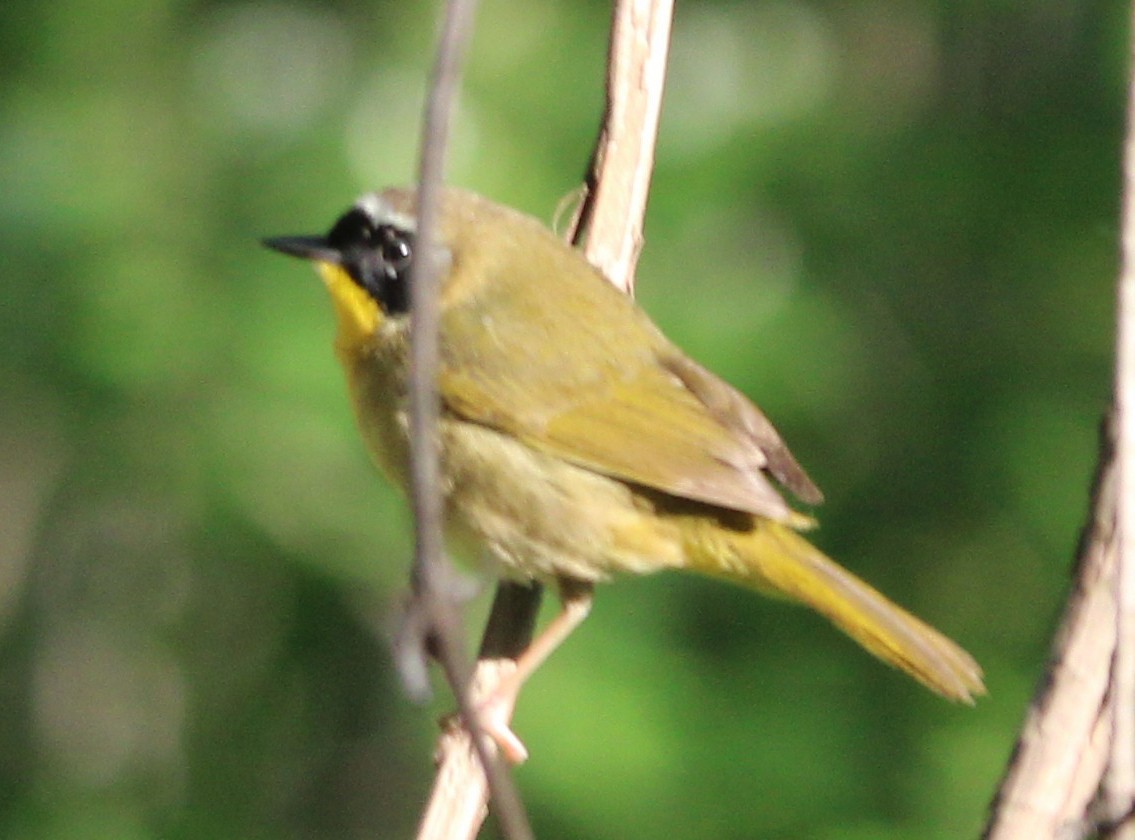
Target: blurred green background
{"points": [[891, 223]]}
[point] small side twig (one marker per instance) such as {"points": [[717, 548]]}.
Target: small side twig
{"points": [[612, 216]]}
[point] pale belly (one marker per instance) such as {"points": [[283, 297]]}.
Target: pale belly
{"points": [[539, 517]]}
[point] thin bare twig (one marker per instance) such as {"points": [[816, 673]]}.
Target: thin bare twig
{"points": [[612, 215], [432, 615]]}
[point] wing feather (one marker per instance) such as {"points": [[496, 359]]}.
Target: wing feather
{"points": [[626, 404]]}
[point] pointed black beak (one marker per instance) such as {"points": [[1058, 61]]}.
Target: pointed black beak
{"points": [[305, 247]]}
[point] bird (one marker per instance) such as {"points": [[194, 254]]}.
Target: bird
{"points": [[577, 442]]}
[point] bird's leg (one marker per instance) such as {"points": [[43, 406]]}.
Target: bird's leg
{"points": [[496, 712]]}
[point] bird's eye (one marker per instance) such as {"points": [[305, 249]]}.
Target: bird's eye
{"points": [[388, 274], [396, 248]]}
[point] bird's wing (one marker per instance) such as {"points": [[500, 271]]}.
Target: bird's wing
{"points": [[632, 407]]}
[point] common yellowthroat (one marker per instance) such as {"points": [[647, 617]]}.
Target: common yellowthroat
{"points": [[577, 442]]}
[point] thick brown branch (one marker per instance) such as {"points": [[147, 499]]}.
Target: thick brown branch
{"points": [[1055, 771], [1118, 788], [1073, 770]]}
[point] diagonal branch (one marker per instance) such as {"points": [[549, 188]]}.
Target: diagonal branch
{"points": [[612, 217]]}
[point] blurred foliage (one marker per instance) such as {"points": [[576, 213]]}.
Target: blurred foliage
{"points": [[893, 222]]}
